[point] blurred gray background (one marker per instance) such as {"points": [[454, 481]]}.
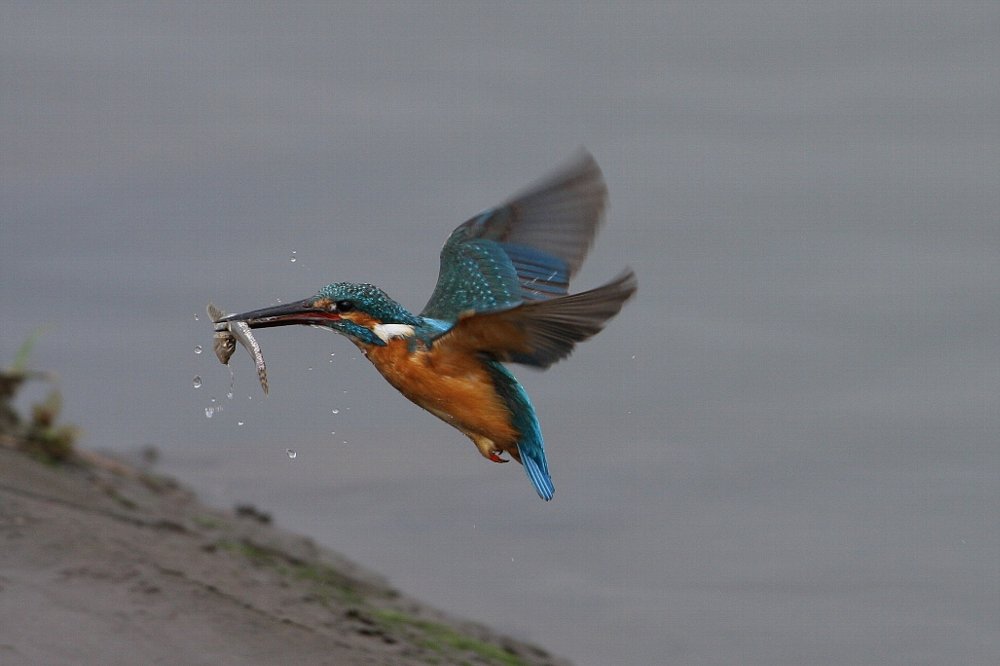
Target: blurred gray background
{"points": [[784, 451]]}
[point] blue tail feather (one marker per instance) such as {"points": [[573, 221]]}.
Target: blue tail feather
{"points": [[530, 446], [538, 472]]}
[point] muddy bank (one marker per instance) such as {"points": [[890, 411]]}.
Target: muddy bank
{"points": [[104, 563]]}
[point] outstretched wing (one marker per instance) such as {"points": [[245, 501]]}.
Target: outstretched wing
{"points": [[540, 333], [524, 250]]}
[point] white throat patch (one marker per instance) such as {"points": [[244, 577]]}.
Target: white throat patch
{"points": [[386, 332]]}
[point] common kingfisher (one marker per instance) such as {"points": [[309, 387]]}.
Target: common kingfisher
{"points": [[501, 297]]}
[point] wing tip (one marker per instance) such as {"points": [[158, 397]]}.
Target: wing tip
{"points": [[626, 282]]}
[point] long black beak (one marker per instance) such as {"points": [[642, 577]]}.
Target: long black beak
{"points": [[297, 312]]}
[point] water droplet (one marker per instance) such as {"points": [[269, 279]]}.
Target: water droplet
{"points": [[333, 432], [347, 409], [345, 441], [293, 256], [332, 354], [239, 423], [633, 357], [197, 349], [196, 382], [291, 453], [334, 411], [196, 318], [310, 368], [209, 412], [249, 397], [229, 395]]}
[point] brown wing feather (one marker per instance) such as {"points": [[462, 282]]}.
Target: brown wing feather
{"points": [[540, 333]]}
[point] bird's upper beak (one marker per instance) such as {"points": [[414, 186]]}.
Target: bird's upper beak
{"points": [[297, 312]]}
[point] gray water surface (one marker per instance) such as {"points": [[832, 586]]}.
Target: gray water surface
{"points": [[784, 451]]}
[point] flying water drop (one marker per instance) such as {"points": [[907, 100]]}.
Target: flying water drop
{"points": [[239, 423], [334, 411], [293, 261], [291, 453], [196, 382], [197, 349]]}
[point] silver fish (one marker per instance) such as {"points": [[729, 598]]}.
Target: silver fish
{"points": [[224, 342]]}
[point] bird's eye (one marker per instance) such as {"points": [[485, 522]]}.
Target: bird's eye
{"points": [[345, 306]]}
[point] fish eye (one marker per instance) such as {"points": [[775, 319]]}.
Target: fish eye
{"points": [[345, 306]]}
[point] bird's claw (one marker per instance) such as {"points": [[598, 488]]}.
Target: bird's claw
{"points": [[495, 458]]}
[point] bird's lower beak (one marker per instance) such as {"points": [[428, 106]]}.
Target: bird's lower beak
{"points": [[297, 312]]}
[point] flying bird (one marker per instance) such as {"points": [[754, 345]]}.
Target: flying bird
{"points": [[502, 296]]}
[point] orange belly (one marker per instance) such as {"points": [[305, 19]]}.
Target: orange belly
{"points": [[455, 387]]}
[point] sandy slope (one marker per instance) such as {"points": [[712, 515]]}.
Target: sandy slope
{"points": [[104, 564]]}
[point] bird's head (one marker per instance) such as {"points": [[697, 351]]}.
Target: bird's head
{"points": [[362, 312]]}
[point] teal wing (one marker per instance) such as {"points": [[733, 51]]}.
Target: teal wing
{"points": [[524, 250], [539, 333]]}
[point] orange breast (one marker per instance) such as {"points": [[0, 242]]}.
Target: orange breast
{"points": [[453, 386]]}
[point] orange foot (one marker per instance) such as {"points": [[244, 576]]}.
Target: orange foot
{"points": [[487, 448]]}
